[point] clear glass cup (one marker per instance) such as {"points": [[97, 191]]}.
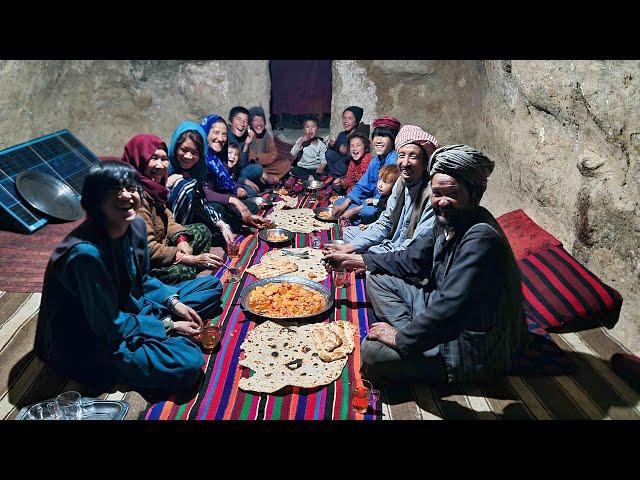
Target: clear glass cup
{"points": [[48, 410], [339, 277], [210, 337], [315, 240], [362, 395], [70, 404], [233, 249], [234, 275]]}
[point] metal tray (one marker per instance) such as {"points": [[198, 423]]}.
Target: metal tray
{"points": [[246, 293], [93, 409], [263, 203], [49, 195]]}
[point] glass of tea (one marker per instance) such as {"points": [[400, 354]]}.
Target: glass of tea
{"points": [[362, 395], [233, 249], [234, 275], [210, 337], [339, 277]]}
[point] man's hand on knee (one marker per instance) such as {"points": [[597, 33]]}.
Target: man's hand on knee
{"points": [[383, 332]]}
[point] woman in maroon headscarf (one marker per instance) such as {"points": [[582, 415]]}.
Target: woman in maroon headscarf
{"points": [[177, 252]]}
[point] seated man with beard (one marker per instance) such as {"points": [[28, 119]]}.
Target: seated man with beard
{"points": [[450, 305]]}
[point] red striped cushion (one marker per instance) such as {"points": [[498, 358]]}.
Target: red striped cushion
{"points": [[525, 236], [562, 295]]}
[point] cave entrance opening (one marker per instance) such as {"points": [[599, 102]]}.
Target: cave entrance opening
{"points": [[300, 88]]}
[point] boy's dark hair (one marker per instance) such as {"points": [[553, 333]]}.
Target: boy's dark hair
{"points": [[361, 136], [236, 110], [193, 136], [389, 172], [311, 118], [103, 178], [384, 132]]}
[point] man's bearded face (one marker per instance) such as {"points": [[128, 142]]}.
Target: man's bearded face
{"points": [[451, 200]]}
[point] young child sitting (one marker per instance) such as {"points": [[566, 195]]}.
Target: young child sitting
{"points": [[371, 209], [311, 162], [240, 174], [359, 162]]}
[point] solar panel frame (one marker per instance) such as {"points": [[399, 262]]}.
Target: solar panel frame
{"points": [[60, 154]]}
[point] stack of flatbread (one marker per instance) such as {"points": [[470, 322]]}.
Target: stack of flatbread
{"points": [[286, 201], [300, 220], [305, 356], [272, 267], [310, 268]]}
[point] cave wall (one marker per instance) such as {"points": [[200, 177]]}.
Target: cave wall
{"points": [[105, 103]]}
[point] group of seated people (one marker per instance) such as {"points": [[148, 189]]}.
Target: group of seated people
{"points": [[122, 300]]}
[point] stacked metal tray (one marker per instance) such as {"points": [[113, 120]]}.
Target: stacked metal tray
{"points": [[94, 409]]}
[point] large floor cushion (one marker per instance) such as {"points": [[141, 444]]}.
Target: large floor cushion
{"points": [[563, 296], [525, 236]]}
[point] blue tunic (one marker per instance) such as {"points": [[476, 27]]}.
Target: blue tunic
{"points": [[366, 186], [100, 315]]}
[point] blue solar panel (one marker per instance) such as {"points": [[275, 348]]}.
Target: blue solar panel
{"points": [[60, 154]]}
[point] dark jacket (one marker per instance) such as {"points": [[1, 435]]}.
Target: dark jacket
{"points": [[475, 307]]}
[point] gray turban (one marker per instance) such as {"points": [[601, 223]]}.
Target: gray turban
{"points": [[465, 162]]}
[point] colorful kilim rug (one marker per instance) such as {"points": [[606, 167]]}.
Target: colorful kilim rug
{"points": [[219, 396]]}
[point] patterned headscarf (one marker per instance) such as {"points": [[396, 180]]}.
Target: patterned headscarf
{"points": [[465, 162], [414, 134], [389, 122], [216, 162], [199, 170], [137, 153]]}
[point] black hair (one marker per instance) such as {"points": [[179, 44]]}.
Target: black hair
{"points": [[236, 110], [361, 136], [103, 178], [193, 136], [384, 132], [312, 118]]}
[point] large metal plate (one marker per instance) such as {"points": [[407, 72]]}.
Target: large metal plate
{"points": [[50, 195], [246, 293], [94, 409], [264, 235]]}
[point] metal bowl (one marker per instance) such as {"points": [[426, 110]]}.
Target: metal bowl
{"points": [[319, 210], [49, 195], [263, 203], [313, 185], [264, 235], [246, 293]]}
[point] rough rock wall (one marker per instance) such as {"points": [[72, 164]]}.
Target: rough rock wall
{"points": [[565, 138], [444, 97], [105, 103]]}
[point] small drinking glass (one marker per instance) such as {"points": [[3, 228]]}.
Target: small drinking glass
{"points": [[210, 337], [315, 240], [234, 275], [344, 223], [339, 277], [362, 395], [70, 404], [48, 410], [233, 249]]}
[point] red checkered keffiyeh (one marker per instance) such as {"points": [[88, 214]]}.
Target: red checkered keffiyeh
{"points": [[414, 134]]}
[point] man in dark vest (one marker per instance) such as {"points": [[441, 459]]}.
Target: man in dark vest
{"points": [[450, 305]]}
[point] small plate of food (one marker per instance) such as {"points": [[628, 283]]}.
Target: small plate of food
{"points": [[325, 214], [276, 236]]}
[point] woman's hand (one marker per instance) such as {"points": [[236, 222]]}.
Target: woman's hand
{"points": [[338, 181], [185, 248], [241, 193], [256, 221], [227, 233], [173, 179], [343, 149], [203, 261], [187, 328], [187, 313]]}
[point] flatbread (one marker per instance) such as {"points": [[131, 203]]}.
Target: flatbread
{"points": [[333, 340], [299, 220], [272, 268], [282, 356], [311, 268]]}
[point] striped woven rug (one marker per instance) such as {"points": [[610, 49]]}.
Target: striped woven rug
{"points": [[219, 397]]}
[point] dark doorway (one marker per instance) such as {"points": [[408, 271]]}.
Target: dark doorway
{"points": [[299, 88]]}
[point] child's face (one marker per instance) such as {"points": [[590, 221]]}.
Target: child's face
{"points": [[239, 124], [348, 120], [232, 156], [310, 129], [356, 147], [385, 187], [258, 124]]}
